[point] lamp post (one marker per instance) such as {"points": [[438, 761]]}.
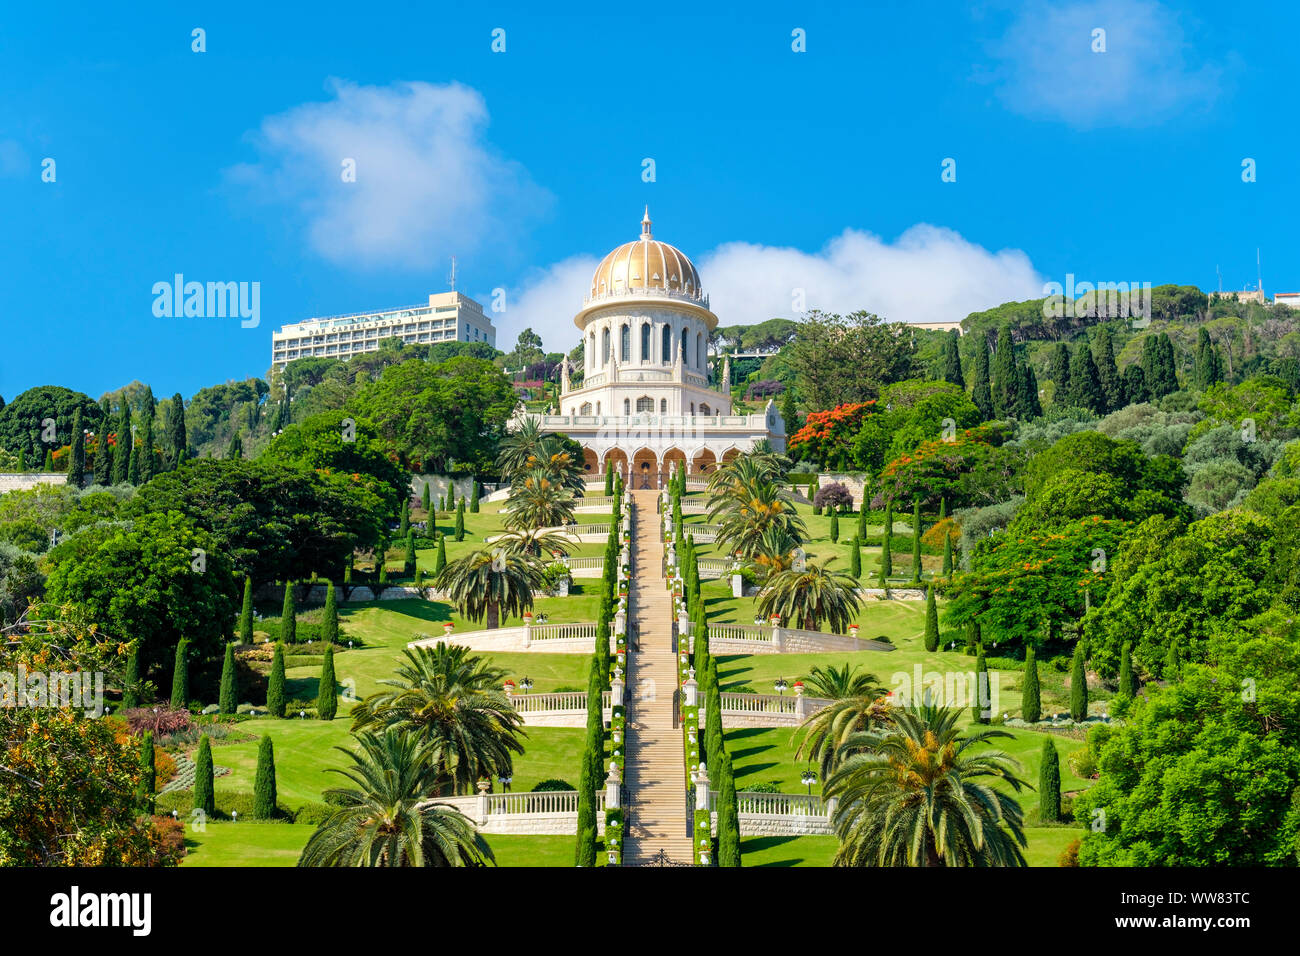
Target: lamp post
{"points": [[505, 782], [780, 684], [526, 684], [809, 777]]}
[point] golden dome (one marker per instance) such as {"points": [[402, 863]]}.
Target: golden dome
{"points": [[646, 266]]}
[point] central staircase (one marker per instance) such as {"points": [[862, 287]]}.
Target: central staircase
{"points": [[655, 780]]}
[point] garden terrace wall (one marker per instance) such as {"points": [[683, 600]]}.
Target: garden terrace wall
{"points": [[552, 812], [540, 638], [778, 814]]}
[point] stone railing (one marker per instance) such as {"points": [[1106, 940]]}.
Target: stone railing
{"points": [[703, 533], [548, 812], [565, 709], [585, 567], [694, 506], [541, 638], [583, 533], [767, 639], [594, 504], [712, 568], [779, 814]]}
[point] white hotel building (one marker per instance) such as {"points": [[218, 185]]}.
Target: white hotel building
{"points": [[449, 317]]}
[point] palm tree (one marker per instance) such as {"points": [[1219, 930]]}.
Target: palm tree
{"points": [[534, 541], [813, 596], [856, 704], [487, 583], [386, 819], [558, 464], [519, 445], [773, 550], [452, 701], [913, 795], [538, 501], [746, 508]]}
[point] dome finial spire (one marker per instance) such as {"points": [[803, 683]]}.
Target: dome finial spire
{"points": [[645, 223]]}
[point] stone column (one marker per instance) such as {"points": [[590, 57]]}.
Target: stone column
{"points": [[483, 803], [800, 703], [691, 691], [776, 636], [702, 787], [616, 692], [737, 586], [528, 630], [612, 787]]}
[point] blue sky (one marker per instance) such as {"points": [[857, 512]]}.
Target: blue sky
{"points": [[774, 169]]}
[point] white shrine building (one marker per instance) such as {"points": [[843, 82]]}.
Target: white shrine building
{"points": [[645, 402]]}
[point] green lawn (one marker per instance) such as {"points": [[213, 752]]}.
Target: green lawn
{"points": [[1045, 846], [279, 844]]}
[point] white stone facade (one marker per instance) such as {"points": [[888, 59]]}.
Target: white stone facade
{"points": [[645, 402]]}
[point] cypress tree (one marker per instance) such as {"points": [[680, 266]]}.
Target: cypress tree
{"points": [[425, 501], [289, 616], [728, 815], [408, 560], [49, 460], [952, 360], [148, 771], [1059, 370], [812, 495], [205, 797], [473, 496], [327, 698], [1078, 685], [947, 554], [383, 573], [236, 449], [886, 553], [451, 496], [835, 527], [1207, 366], [103, 456], [460, 520], [1030, 407], [1085, 389], [981, 681], [246, 613], [275, 685], [1112, 387], [131, 684], [440, 561], [1127, 685], [1158, 365], [981, 392], [404, 524], [916, 540], [609, 482], [972, 636], [703, 657], [713, 734], [181, 675], [226, 699], [1031, 708], [862, 519], [175, 441], [264, 795], [1006, 375], [1049, 783], [1135, 384], [77, 464], [593, 766], [789, 411], [931, 621], [22, 461], [122, 448], [329, 627], [855, 559], [147, 456]]}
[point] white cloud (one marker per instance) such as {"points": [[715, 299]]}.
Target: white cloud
{"points": [[427, 183], [547, 302], [928, 274], [1148, 72]]}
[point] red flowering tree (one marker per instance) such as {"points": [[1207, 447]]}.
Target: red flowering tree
{"points": [[964, 471], [828, 436]]}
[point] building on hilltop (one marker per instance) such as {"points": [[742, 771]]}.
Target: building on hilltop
{"points": [[449, 317], [645, 402]]}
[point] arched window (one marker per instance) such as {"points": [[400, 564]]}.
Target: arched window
{"points": [[645, 342], [604, 347], [668, 346], [699, 350], [645, 404], [624, 343], [627, 406], [584, 408], [591, 351], [663, 406], [704, 409]]}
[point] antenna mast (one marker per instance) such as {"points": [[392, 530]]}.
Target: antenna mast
{"points": [[1259, 272], [452, 278]]}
